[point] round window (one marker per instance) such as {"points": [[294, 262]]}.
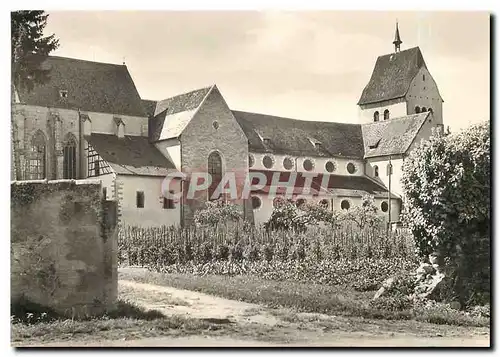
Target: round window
{"points": [[345, 204], [351, 168], [288, 163], [300, 202], [384, 206], [251, 160], [256, 202], [215, 124], [330, 166], [308, 165], [268, 162], [324, 203]]}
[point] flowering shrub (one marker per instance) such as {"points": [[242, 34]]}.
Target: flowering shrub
{"points": [[446, 181]]}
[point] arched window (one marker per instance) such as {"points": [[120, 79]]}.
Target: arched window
{"points": [[375, 116], [345, 205], [37, 159], [417, 109], [375, 171], [424, 109], [69, 157], [430, 110], [215, 171], [386, 114]]}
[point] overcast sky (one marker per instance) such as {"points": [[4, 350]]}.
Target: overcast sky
{"points": [[304, 65]]}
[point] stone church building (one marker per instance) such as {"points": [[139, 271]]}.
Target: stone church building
{"points": [[89, 121]]}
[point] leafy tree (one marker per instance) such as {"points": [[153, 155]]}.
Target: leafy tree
{"points": [[446, 183], [29, 47]]}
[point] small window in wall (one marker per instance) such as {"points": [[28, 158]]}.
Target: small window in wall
{"points": [[104, 193], [324, 203], [215, 124], [330, 166], [97, 168], [345, 204], [375, 171], [300, 202], [256, 202], [375, 116], [386, 114], [251, 160], [267, 141], [168, 203], [417, 109], [384, 206], [139, 199], [424, 109], [423, 77], [389, 169], [268, 162], [287, 163], [63, 93], [308, 165], [351, 168]]}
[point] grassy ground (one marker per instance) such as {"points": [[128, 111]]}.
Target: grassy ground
{"points": [[126, 321], [332, 300]]}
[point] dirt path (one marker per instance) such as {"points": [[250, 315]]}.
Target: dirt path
{"points": [[331, 341], [257, 325]]}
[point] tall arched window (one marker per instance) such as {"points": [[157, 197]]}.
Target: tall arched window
{"points": [[215, 171], [417, 109], [69, 157], [424, 109], [375, 170], [37, 159], [386, 114], [375, 116]]}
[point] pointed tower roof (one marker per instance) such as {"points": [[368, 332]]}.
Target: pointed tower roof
{"points": [[397, 39]]}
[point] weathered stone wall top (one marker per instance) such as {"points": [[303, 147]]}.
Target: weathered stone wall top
{"points": [[63, 245]]}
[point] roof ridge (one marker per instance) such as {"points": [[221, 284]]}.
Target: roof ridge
{"points": [[295, 119], [189, 92], [403, 51], [84, 60]]}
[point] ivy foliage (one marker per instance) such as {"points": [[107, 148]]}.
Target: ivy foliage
{"points": [[447, 188]]}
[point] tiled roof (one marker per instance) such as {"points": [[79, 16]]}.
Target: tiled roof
{"points": [[392, 76], [149, 107], [91, 86], [336, 185], [173, 114], [296, 137], [392, 136], [131, 155]]}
